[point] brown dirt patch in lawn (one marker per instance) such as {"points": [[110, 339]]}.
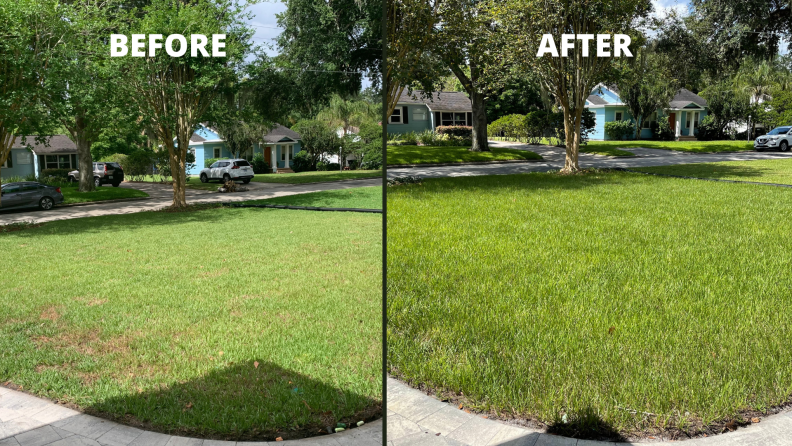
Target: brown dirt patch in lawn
{"points": [[50, 313]]}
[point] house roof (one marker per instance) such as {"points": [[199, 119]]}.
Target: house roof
{"points": [[596, 100], [441, 100], [58, 144], [684, 97], [197, 138], [278, 133]]}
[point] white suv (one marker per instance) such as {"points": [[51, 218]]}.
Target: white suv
{"points": [[779, 137], [227, 170]]}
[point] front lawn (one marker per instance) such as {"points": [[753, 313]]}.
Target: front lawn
{"points": [[453, 154], [224, 323], [71, 194], [682, 146], [358, 197], [611, 300], [762, 171], [317, 177]]}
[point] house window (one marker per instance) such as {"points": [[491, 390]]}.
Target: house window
{"points": [[9, 162], [419, 114], [618, 116], [286, 151], [447, 118], [58, 161], [695, 117], [647, 123], [395, 118], [216, 152]]}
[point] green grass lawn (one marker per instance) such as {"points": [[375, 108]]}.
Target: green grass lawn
{"points": [[606, 151], [224, 323], [73, 195], [762, 171], [453, 154], [317, 177], [682, 146], [593, 296], [359, 197]]}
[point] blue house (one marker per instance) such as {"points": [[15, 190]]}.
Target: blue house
{"points": [[278, 146], [30, 158], [417, 113], [684, 113]]}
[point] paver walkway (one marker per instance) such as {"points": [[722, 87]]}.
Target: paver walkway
{"points": [[161, 196], [416, 419], [554, 160], [29, 421]]}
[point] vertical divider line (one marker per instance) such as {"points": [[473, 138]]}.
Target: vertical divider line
{"points": [[384, 87]]}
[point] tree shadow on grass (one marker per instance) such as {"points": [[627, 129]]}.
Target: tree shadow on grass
{"points": [[342, 198], [716, 171], [584, 424], [246, 401]]}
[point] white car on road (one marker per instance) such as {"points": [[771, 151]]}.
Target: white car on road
{"points": [[779, 138], [227, 170]]}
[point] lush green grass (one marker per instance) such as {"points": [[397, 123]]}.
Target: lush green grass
{"points": [[543, 294], [228, 323], [606, 151], [762, 171], [682, 146], [358, 197], [453, 154], [72, 195]]}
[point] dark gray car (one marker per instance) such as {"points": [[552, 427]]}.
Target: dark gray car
{"points": [[29, 194]]}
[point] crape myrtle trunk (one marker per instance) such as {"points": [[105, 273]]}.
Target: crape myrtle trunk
{"points": [[6, 142], [84, 158], [478, 104], [178, 163]]}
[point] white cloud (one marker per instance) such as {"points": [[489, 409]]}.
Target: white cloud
{"points": [[662, 8]]}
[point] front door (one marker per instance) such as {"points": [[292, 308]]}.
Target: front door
{"points": [[672, 122], [268, 155]]}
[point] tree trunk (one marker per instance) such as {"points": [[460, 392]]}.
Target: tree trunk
{"points": [[637, 129], [572, 123], [480, 143], [84, 158], [177, 157]]}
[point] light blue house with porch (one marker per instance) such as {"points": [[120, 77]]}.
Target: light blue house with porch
{"points": [[684, 113], [278, 146], [29, 158]]}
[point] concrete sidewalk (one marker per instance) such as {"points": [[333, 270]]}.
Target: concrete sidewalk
{"points": [[415, 418], [161, 196], [29, 421]]}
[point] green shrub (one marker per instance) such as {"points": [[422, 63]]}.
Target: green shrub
{"points": [[61, 174], [14, 179], [619, 130], [119, 158], [661, 130], [409, 139], [138, 164], [209, 161], [426, 138], [325, 166], [460, 131], [260, 165], [302, 162]]}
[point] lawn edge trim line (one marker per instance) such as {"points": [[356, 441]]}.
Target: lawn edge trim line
{"points": [[622, 169], [114, 200], [468, 163], [302, 208]]}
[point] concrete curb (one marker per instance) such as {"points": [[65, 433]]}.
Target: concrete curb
{"points": [[415, 418], [472, 163], [26, 420]]}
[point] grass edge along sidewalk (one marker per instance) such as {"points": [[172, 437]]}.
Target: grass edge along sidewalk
{"points": [[408, 155], [180, 351], [645, 286]]}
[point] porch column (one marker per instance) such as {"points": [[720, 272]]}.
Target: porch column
{"points": [[678, 124], [693, 124], [274, 159]]}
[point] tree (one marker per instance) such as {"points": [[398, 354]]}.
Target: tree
{"points": [[645, 86], [30, 34], [725, 105], [568, 79], [332, 43], [236, 119], [79, 90], [173, 93], [346, 113], [317, 139]]}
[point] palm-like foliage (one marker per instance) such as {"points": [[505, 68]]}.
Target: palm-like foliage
{"points": [[346, 113]]}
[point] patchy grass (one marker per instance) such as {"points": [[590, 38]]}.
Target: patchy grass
{"points": [[358, 197], [605, 151], [272, 329], [316, 177], [682, 146], [71, 194], [762, 171], [612, 294], [453, 154]]}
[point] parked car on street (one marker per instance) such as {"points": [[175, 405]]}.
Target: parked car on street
{"points": [[29, 194], [227, 170], [104, 173], [779, 138]]}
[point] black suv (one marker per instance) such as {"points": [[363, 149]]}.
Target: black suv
{"points": [[104, 173]]}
